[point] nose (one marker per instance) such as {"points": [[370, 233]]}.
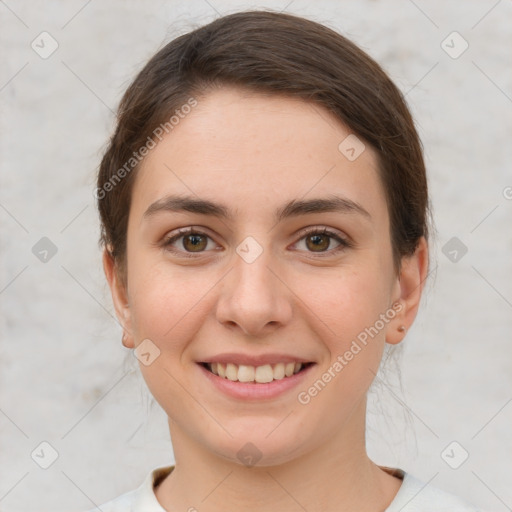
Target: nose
{"points": [[254, 297]]}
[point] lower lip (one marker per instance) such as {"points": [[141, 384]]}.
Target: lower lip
{"points": [[256, 391]]}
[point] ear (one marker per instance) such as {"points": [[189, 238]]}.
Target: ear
{"points": [[119, 297], [408, 290]]}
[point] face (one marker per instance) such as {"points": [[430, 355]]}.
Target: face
{"points": [[254, 241]]}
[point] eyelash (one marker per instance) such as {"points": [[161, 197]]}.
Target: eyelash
{"points": [[344, 244]]}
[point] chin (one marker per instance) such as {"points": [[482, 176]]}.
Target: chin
{"points": [[259, 448]]}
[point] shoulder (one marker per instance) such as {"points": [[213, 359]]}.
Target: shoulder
{"points": [[418, 496], [142, 499]]}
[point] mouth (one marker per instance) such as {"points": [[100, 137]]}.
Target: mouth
{"points": [[263, 374]]}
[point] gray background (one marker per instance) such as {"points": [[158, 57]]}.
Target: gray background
{"points": [[66, 379]]}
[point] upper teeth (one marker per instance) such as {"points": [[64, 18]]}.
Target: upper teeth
{"points": [[260, 374]]}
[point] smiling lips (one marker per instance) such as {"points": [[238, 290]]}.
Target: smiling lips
{"points": [[259, 374]]}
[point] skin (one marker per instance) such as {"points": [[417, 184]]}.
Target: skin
{"points": [[253, 153]]}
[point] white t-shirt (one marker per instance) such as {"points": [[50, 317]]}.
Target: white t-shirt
{"points": [[413, 496]]}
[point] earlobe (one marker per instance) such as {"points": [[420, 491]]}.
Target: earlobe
{"points": [[119, 298], [410, 283]]}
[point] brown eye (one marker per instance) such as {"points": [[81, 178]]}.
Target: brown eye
{"points": [[195, 242], [318, 242], [187, 242]]}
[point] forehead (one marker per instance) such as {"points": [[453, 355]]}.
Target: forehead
{"points": [[250, 150]]}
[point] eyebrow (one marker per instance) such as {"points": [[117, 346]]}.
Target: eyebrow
{"points": [[294, 208]]}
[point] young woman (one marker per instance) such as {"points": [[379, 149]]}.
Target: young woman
{"points": [[264, 212]]}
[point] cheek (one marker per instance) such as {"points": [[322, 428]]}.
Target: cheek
{"points": [[166, 309], [349, 302], [355, 352], [164, 301], [349, 311]]}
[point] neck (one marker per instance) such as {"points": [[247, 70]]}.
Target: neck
{"points": [[336, 475]]}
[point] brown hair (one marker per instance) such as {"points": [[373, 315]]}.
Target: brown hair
{"points": [[272, 53]]}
